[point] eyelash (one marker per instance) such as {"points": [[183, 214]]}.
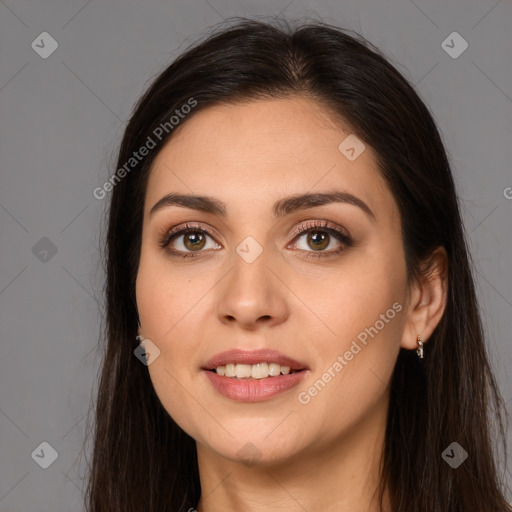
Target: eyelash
{"points": [[324, 226]]}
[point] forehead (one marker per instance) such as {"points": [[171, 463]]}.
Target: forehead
{"points": [[259, 151]]}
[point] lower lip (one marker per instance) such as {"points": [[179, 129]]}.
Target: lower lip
{"points": [[254, 390]]}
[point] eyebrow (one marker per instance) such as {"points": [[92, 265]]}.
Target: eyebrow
{"points": [[280, 209]]}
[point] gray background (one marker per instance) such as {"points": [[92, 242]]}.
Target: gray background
{"points": [[62, 119]]}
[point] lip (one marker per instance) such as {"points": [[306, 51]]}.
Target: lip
{"points": [[254, 390], [238, 356]]}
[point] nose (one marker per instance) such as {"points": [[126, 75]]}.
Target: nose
{"points": [[252, 296]]}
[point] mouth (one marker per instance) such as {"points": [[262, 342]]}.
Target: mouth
{"points": [[253, 376]]}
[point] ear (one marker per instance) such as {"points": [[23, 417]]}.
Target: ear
{"points": [[427, 300]]}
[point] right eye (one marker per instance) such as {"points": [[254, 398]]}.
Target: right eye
{"points": [[194, 240]]}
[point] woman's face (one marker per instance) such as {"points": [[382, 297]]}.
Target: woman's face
{"points": [[261, 277]]}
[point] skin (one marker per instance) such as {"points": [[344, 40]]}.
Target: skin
{"points": [[323, 455]]}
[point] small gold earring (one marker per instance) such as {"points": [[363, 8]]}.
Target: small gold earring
{"points": [[419, 350]]}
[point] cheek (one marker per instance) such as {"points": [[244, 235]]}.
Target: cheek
{"points": [[354, 367], [362, 299], [363, 311], [168, 306], [167, 298]]}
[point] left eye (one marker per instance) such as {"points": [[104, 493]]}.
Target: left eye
{"points": [[320, 239]]}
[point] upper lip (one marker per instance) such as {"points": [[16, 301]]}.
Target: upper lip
{"points": [[237, 356]]}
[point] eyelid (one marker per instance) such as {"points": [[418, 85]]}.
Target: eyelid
{"points": [[305, 226]]}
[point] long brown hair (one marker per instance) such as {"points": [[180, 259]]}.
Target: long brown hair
{"points": [[142, 460]]}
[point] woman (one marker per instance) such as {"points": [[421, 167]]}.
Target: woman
{"points": [[286, 246]]}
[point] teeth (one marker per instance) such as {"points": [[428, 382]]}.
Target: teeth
{"points": [[259, 371], [230, 370], [255, 371], [274, 369], [243, 371]]}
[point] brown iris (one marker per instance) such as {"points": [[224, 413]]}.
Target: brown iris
{"points": [[320, 239], [194, 240]]}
